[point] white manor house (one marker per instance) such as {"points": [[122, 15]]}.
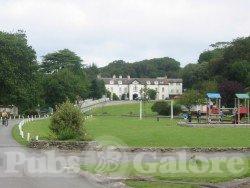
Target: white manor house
{"points": [[131, 87]]}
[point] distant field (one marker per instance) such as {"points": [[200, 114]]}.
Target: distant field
{"points": [[125, 109]]}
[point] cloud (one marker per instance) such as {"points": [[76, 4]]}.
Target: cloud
{"points": [[104, 30]]}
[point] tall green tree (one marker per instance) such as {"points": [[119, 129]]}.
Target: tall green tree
{"points": [[62, 86], [18, 71], [53, 62], [97, 89]]}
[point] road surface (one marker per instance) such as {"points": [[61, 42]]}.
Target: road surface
{"points": [[24, 168]]}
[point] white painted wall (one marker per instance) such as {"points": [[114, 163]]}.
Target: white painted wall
{"points": [[163, 91]]}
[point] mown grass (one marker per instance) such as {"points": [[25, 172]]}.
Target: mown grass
{"points": [[191, 171], [165, 133], [148, 132], [132, 109]]}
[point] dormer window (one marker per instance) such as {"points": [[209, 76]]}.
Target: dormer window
{"points": [[148, 82], [156, 82], [111, 82], [120, 82]]}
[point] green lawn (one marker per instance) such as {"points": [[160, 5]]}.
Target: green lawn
{"points": [[165, 133], [125, 110], [171, 171], [149, 132]]}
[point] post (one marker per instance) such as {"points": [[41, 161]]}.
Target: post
{"points": [[140, 109], [238, 111], [172, 109], [248, 111], [28, 137]]}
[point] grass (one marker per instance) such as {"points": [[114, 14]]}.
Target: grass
{"points": [[125, 110], [39, 127], [172, 174], [17, 137], [165, 133], [149, 133], [143, 184]]}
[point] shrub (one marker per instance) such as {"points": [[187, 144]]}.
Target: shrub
{"points": [[115, 97], [164, 108], [67, 122]]}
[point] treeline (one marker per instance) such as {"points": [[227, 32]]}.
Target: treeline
{"points": [[147, 68], [29, 84]]}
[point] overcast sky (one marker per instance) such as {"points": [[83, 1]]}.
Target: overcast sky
{"points": [[101, 31]]}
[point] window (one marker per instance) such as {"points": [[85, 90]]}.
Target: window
{"points": [[111, 82], [163, 97], [148, 82], [111, 89], [120, 82], [171, 91], [162, 89], [135, 88], [120, 89], [156, 82]]}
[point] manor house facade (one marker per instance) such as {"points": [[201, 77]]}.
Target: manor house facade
{"points": [[131, 87]]}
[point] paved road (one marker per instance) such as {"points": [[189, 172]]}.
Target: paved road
{"points": [[24, 168]]}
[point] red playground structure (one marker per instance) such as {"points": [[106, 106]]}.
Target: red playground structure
{"points": [[241, 108]]}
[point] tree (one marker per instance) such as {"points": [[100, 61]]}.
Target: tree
{"points": [[239, 71], [18, 72], [147, 68], [53, 62], [228, 89], [152, 94], [189, 99], [164, 108], [115, 97], [97, 89], [194, 74], [63, 85]]}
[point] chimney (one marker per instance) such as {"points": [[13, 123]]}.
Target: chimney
{"points": [[120, 76], [128, 77], [114, 76]]}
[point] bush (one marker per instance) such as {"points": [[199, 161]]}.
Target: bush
{"points": [[67, 122], [115, 97], [164, 108]]}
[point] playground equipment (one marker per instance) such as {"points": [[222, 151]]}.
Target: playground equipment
{"points": [[213, 111], [240, 109]]}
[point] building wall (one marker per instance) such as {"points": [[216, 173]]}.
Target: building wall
{"points": [[163, 91]]}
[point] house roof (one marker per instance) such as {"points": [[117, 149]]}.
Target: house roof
{"points": [[149, 81], [242, 95], [213, 96]]}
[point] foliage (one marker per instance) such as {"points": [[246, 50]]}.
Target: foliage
{"points": [[115, 97], [164, 108], [147, 68], [152, 94], [97, 88], [67, 122], [189, 98], [63, 85], [53, 62], [228, 89], [18, 71], [194, 74]]}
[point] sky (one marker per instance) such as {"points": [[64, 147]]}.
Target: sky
{"points": [[101, 31]]}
